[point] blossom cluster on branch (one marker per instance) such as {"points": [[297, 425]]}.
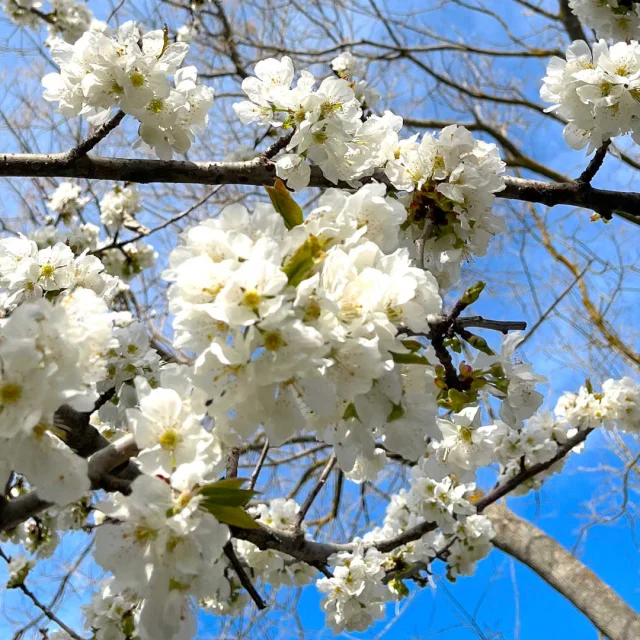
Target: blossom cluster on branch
{"points": [[68, 19], [617, 19], [597, 90], [131, 71]]}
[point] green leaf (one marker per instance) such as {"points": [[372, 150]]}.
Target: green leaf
{"points": [[228, 483], [409, 358], [235, 516], [226, 496], [284, 204], [412, 345], [300, 264]]}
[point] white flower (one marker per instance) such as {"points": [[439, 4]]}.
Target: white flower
{"points": [[596, 90], [169, 435], [131, 71], [294, 170], [66, 201], [117, 205], [19, 568], [615, 19], [251, 294], [59, 475], [346, 65]]}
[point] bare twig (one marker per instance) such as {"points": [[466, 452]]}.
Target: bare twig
{"points": [[242, 576], [97, 136], [276, 147], [504, 326], [313, 494], [261, 459], [43, 607], [594, 164], [164, 225], [232, 463]]}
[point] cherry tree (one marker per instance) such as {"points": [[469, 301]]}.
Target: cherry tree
{"points": [[174, 325]]}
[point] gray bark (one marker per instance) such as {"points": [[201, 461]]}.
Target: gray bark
{"points": [[611, 615]]}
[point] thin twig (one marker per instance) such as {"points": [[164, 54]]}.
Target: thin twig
{"points": [[46, 610], [276, 147], [504, 326], [315, 491], [232, 463], [164, 225], [555, 303], [261, 459], [243, 577], [99, 134], [594, 164]]}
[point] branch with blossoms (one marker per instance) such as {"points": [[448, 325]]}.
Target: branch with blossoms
{"points": [[256, 172], [327, 322]]}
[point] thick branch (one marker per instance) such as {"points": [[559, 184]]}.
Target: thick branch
{"points": [[601, 604], [570, 21], [258, 172]]}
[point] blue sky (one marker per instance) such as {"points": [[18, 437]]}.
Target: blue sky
{"points": [[504, 599]]}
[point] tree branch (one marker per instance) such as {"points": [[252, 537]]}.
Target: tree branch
{"points": [[243, 577], [43, 607], [258, 172], [594, 164], [554, 564], [570, 21], [97, 136], [313, 494]]}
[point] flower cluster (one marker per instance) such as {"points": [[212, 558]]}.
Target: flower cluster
{"points": [[118, 206], [113, 613], [19, 568], [307, 322], [355, 595], [132, 72], [130, 260], [28, 273], [365, 579], [618, 404], [23, 12], [159, 545], [70, 19], [616, 19], [597, 90], [453, 179], [328, 124], [66, 18], [66, 201], [50, 355]]}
